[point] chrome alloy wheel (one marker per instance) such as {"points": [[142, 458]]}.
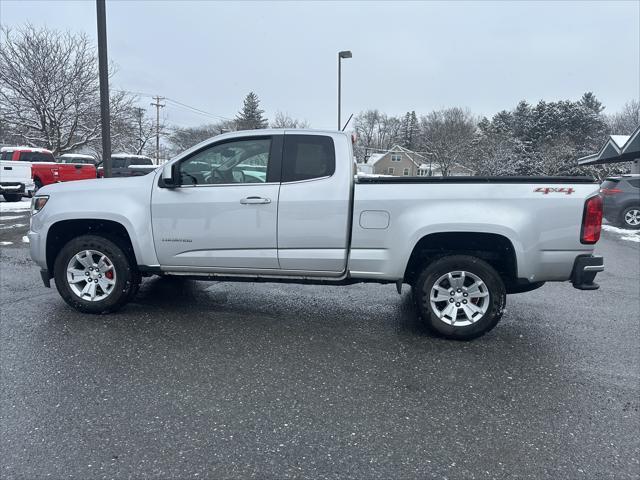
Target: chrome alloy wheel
{"points": [[91, 275], [632, 217], [459, 298]]}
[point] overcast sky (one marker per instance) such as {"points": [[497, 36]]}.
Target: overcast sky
{"points": [[406, 56]]}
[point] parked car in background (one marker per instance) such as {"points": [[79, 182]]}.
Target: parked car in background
{"points": [[44, 168], [15, 180], [78, 158], [128, 165], [621, 197]]}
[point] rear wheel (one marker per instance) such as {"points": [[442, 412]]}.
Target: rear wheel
{"points": [[12, 197], [37, 185], [630, 217], [460, 297], [95, 275]]}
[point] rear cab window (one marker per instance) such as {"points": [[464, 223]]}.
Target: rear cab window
{"points": [[35, 157], [307, 157]]}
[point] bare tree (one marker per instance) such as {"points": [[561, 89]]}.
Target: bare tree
{"points": [[132, 131], [283, 120], [49, 90], [626, 121], [448, 135], [377, 131], [184, 138]]}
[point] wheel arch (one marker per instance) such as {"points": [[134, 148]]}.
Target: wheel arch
{"points": [[62, 231], [496, 249]]}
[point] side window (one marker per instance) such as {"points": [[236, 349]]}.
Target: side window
{"points": [[634, 183], [118, 162], [240, 161], [308, 156]]}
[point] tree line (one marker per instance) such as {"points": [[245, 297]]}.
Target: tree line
{"points": [[542, 139], [49, 97]]}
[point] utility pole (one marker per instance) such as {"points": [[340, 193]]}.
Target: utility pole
{"points": [[158, 106], [103, 73]]}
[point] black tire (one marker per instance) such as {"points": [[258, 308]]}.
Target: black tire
{"points": [[623, 218], [454, 263], [127, 277], [12, 197], [38, 185]]}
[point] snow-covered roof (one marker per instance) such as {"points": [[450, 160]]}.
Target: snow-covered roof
{"points": [[77, 155], [374, 158], [129, 155], [620, 140], [617, 148], [24, 147], [396, 149]]}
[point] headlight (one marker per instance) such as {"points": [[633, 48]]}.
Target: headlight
{"points": [[38, 203]]}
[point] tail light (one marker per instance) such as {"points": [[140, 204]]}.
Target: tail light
{"points": [[610, 191], [591, 220]]}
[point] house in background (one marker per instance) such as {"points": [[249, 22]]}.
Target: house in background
{"points": [[398, 161], [402, 162]]}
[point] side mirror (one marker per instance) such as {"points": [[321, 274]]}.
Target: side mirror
{"points": [[169, 179]]}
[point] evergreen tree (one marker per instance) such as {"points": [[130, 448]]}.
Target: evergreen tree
{"points": [[250, 117]]}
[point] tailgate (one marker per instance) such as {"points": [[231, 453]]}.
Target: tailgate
{"points": [[15, 172], [75, 171]]}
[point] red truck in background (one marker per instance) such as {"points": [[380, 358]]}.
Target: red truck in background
{"points": [[44, 168]]}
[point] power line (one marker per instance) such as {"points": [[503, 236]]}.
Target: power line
{"points": [[179, 104], [197, 110]]}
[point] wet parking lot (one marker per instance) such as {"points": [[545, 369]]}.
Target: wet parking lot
{"points": [[221, 380]]}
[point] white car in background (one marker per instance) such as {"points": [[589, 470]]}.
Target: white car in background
{"points": [[15, 180]]}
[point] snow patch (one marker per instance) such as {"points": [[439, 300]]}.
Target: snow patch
{"points": [[15, 225], [628, 235], [25, 204], [6, 243], [25, 239]]}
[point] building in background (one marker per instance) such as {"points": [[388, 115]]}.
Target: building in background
{"points": [[402, 162]]}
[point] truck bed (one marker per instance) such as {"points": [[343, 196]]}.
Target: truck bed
{"points": [[473, 179]]}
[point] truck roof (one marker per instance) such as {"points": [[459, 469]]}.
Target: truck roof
{"points": [[77, 155], [25, 149]]}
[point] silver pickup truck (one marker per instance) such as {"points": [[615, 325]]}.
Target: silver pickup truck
{"points": [[285, 206]]}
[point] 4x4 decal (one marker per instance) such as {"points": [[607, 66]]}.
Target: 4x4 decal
{"points": [[547, 190]]}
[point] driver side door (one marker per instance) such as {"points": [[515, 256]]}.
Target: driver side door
{"points": [[220, 218]]}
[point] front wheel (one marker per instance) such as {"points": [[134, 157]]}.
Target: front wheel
{"points": [[460, 297], [631, 218], [95, 275]]}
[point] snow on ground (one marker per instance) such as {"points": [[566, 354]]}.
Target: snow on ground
{"points": [[629, 235], [15, 225], [6, 243], [24, 204], [10, 217], [25, 239]]}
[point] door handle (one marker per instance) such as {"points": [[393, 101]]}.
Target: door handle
{"points": [[254, 201]]}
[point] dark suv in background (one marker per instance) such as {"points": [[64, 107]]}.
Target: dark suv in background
{"points": [[621, 197]]}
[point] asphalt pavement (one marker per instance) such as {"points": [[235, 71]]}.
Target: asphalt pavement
{"points": [[221, 380]]}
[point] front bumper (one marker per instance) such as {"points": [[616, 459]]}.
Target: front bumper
{"points": [[585, 269]]}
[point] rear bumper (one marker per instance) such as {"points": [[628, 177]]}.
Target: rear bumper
{"points": [[585, 269], [12, 187]]}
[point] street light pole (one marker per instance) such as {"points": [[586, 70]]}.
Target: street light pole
{"points": [[341, 55], [103, 72]]}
